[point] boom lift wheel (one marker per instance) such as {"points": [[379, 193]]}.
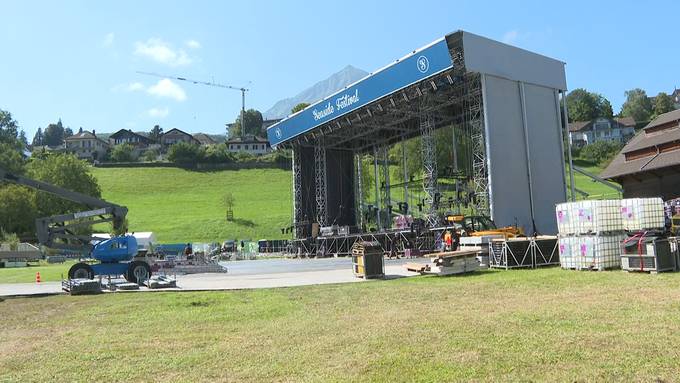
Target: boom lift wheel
{"points": [[81, 271], [137, 272]]}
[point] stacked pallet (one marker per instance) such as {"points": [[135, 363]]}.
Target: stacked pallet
{"points": [[482, 242], [454, 262]]}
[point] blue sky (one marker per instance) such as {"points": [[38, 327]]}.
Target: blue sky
{"points": [[76, 60]]}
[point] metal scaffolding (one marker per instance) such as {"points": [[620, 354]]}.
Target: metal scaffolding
{"points": [[320, 182], [429, 154], [360, 190], [474, 114], [298, 214], [386, 197]]}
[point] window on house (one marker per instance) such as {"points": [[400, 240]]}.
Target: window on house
{"points": [[246, 147]]}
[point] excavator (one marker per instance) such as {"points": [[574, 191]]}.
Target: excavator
{"points": [[115, 256]]}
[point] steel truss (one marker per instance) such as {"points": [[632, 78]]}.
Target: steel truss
{"points": [[386, 197], [320, 183], [359, 190], [429, 154], [298, 214]]}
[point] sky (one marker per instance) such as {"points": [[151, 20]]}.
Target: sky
{"points": [[77, 60]]}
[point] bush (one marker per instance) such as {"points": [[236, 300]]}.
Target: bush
{"points": [[244, 157], [122, 153], [151, 154], [218, 154], [600, 152], [185, 153]]}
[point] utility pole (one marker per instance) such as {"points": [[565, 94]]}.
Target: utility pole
{"points": [[243, 91]]}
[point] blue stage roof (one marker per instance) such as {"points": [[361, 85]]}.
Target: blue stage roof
{"points": [[416, 66]]}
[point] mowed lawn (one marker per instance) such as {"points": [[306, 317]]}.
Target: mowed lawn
{"points": [[531, 325], [186, 206]]}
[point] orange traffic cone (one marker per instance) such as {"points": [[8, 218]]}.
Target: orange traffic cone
{"points": [[37, 277]]}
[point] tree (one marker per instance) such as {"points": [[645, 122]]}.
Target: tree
{"points": [[229, 202], [156, 133], [586, 106], [11, 145], [68, 132], [38, 138], [299, 107], [663, 103], [600, 152], [17, 205], [253, 124], [122, 153], [185, 153], [637, 105], [11, 159], [9, 129], [64, 170], [54, 134]]}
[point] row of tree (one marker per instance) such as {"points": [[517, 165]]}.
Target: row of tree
{"points": [[585, 106]]}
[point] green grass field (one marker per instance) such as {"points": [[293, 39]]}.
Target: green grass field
{"points": [[595, 190], [48, 272], [531, 325], [186, 206]]}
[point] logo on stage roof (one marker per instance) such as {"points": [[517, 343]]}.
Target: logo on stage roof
{"points": [[278, 133], [423, 64]]}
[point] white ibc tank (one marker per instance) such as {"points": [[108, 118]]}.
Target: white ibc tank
{"points": [[642, 213], [586, 217]]}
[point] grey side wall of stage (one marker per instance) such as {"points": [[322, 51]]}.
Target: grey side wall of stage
{"points": [[524, 153]]}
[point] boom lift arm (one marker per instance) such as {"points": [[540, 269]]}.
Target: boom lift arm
{"points": [[51, 230]]}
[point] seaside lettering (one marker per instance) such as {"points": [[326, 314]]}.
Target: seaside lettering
{"points": [[341, 103]]}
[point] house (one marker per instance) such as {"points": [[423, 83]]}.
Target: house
{"points": [[249, 144], [204, 139], [86, 145], [601, 129], [649, 165], [127, 136], [175, 135], [676, 98]]}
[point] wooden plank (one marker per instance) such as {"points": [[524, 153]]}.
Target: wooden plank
{"points": [[416, 267]]}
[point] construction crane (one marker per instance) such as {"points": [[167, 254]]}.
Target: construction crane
{"points": [[243, 90]]}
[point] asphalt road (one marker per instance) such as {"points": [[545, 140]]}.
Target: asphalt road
{"points": [[264, 273]]}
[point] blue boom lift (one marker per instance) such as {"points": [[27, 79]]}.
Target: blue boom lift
{"points": [[115, 255]]}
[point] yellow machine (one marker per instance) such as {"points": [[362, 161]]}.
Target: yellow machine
{"points": [[477, 226]]}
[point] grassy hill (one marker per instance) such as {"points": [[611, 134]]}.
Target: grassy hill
{"points": [[186, 206]]}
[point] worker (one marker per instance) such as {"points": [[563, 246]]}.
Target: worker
{"points": [[448, 240], [188, 251]]}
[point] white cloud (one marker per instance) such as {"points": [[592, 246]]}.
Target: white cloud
{"points": [[109, 39], [135, 86], [510, 37], [162, 52], [193, 44], [167, 88], [158, 112]]}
